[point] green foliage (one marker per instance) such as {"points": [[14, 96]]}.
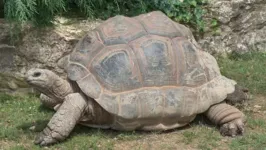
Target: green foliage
{"points": [[42, 12], [20, 10], [188, 11], [106, 8]]}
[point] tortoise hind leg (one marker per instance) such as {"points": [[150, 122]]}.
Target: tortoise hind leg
{"points": [[63, 121], [229, 118]]}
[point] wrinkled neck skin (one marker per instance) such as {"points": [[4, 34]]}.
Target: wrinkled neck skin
{"points": [[58, 88]]}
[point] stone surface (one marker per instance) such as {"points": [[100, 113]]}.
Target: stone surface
{"points": [[41, 48], [6, 57], [241, 26], [4, 33]]}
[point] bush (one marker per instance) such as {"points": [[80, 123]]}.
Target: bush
{"points": [[188, 12], [42, 12]]}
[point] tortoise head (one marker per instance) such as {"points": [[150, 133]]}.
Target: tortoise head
{"points": [[48, 83], [41, 79]]}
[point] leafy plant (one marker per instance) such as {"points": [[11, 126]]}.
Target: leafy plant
{"points": [[42, 12], [185, 11]]}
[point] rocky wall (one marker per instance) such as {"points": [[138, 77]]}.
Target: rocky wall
{"points": [[41, 48], [241, 26]]}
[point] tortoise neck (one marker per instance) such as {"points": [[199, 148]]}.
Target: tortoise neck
{"points": [[59, 89]]}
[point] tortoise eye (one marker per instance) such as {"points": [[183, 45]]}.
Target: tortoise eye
{"points": [[36, 74]]}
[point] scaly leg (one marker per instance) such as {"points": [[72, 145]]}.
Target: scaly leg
{"points": [[49, 102], [63, 121], [230, 119]]}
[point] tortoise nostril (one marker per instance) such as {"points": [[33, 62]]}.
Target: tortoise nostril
{"points": [[36, 74]]}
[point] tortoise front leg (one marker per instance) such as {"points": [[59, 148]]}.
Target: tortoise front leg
{"points": [[63, 121], [229, 118], [50, 102]]}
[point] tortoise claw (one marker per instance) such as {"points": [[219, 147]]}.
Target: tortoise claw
{"points": [[45, 138]]}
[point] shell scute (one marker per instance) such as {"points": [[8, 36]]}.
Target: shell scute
{"points": [[193, 70], [151, 103], [109, 102], [156, 60], [173, 101], [76, 71], [129, 106], [141, 104], [90, 86], [86, 49], [120, 30], [116, 69], [157, 23]]}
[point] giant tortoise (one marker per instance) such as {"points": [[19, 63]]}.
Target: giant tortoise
{"points": [[140, 73]]}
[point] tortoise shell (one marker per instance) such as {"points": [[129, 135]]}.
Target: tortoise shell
{"points": [[146, 67]]}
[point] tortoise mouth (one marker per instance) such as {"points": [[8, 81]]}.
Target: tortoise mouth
{"points": [[34, 76], [35, 81]]}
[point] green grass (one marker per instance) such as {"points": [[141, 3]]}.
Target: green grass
{"points": [[189, 136], [256, 141], [247, 69], [20, 113], [208, 138], [256, 123], [203, 136]]}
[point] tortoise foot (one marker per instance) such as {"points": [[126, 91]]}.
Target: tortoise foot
{"points": [[45, 138], [233, 128]]}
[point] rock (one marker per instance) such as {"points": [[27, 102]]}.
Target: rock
{"points": [[242, 26], [6, 57], [42, 48], [11, 81], [4, 34], [257, 106]]}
